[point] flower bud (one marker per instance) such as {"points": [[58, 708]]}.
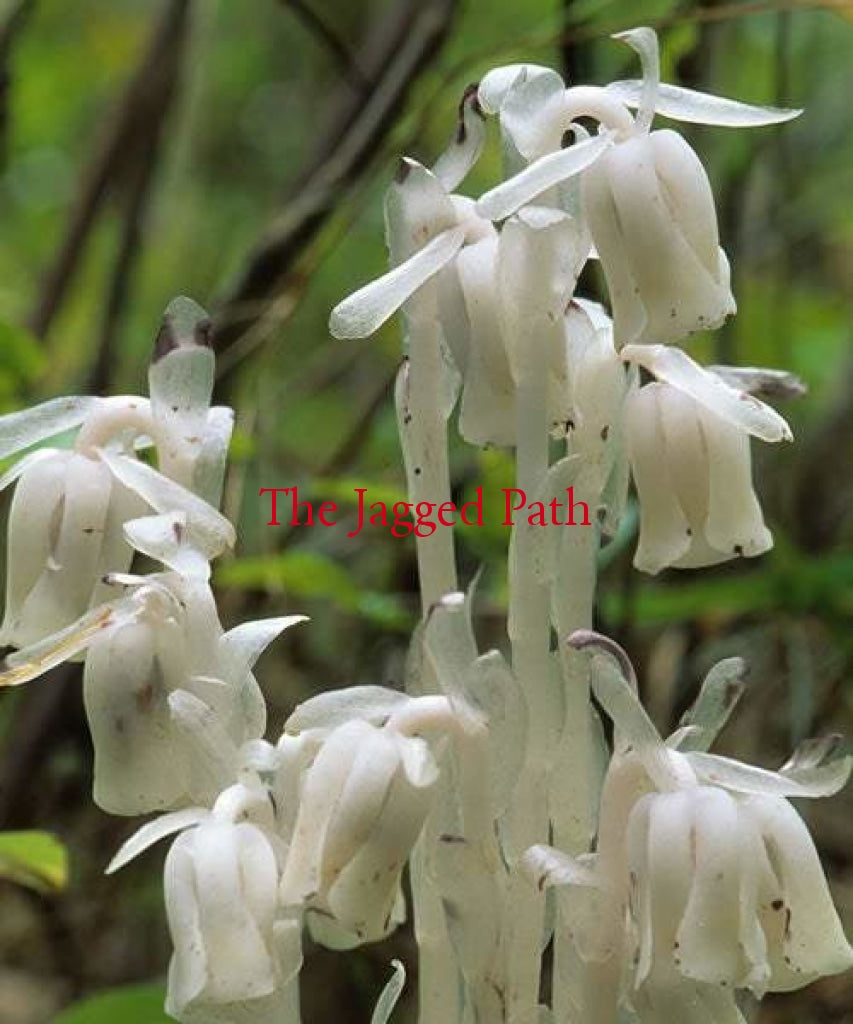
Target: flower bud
{"points": [[693, 475], [651, 213], [362, 805]]}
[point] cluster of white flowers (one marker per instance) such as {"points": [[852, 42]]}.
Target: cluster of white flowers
{"points": [[704, 880]]}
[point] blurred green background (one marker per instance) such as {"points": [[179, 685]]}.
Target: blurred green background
{"points": [[237, 152]]}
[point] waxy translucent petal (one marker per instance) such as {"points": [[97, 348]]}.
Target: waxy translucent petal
{"points": [[542, 174], [644, 41], [241, 647], [701, 108], [19, 430], [822, 780], [374, 704], [163, 538], [496, 84], [367, 309], [760, 381], [206, 527], [210, 461], [722, 689], [456, 161], [547, 867], [742, 410], [153, 831]]}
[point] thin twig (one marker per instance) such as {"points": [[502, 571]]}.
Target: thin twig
{"points": [[109, 164], [398, 50], [332, 41], [148, 144]]}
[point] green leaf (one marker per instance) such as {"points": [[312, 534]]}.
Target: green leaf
{"points": [[35, 859], [310, 574], [130, 1004]]}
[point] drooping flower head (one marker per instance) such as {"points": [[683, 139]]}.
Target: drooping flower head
{"points": [[644, 194], [66, 525], [705, 879]]}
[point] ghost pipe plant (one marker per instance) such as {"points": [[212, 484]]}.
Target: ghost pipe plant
{"points": [[490, 775], [490, 312]]}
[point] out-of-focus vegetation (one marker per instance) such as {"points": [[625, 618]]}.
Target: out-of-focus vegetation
{"points": [[213, 148]]}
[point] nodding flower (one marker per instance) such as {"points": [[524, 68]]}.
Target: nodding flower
{"points": [[70, 506], [170, 698], [644, 194], [706, 879], [688, 441]]}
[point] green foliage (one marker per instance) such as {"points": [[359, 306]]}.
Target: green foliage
{"points": [[131, 1004], [37, 860], [306, 574]]}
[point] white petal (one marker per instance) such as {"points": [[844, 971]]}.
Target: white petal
{"points": [[496, 83], [210, 462], [542, 174], [721, 690], [644, 41], [811, 934], [19, 430], [533, 118], [488, 389], [664, 530], [417, 209], [162, 538], [739, 408], [35, 660], [241, 647], [367, 309], [214, 756], [708, 946], [206, 527], [735, 523], [701, 108], [153, 831], [23, 464], [758, 380], [390, 994], [374, 704], [321, 792], [547, 867], [615, 695], [456, 161], [824, 780]]}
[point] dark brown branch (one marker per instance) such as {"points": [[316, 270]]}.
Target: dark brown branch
{"points": [[327, 35], [393, 57], [110, 162], [148, 146]]}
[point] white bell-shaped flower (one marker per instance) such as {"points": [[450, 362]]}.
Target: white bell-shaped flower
{"points": [[236, 956], [70, 506], [645, 195], [362, 804], [65, 532], [705, 879], [693, 476], [688, 442], [221, 887], [170, 698]]}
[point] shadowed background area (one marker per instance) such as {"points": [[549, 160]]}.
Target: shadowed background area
{"points": [[238, 153]]}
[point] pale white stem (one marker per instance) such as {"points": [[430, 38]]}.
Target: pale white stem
{"points": [[530, 640], [574, 827], [422, 423], [420, 400]]}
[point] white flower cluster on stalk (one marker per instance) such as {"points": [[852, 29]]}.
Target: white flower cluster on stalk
{"points": [[490, 776]]}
